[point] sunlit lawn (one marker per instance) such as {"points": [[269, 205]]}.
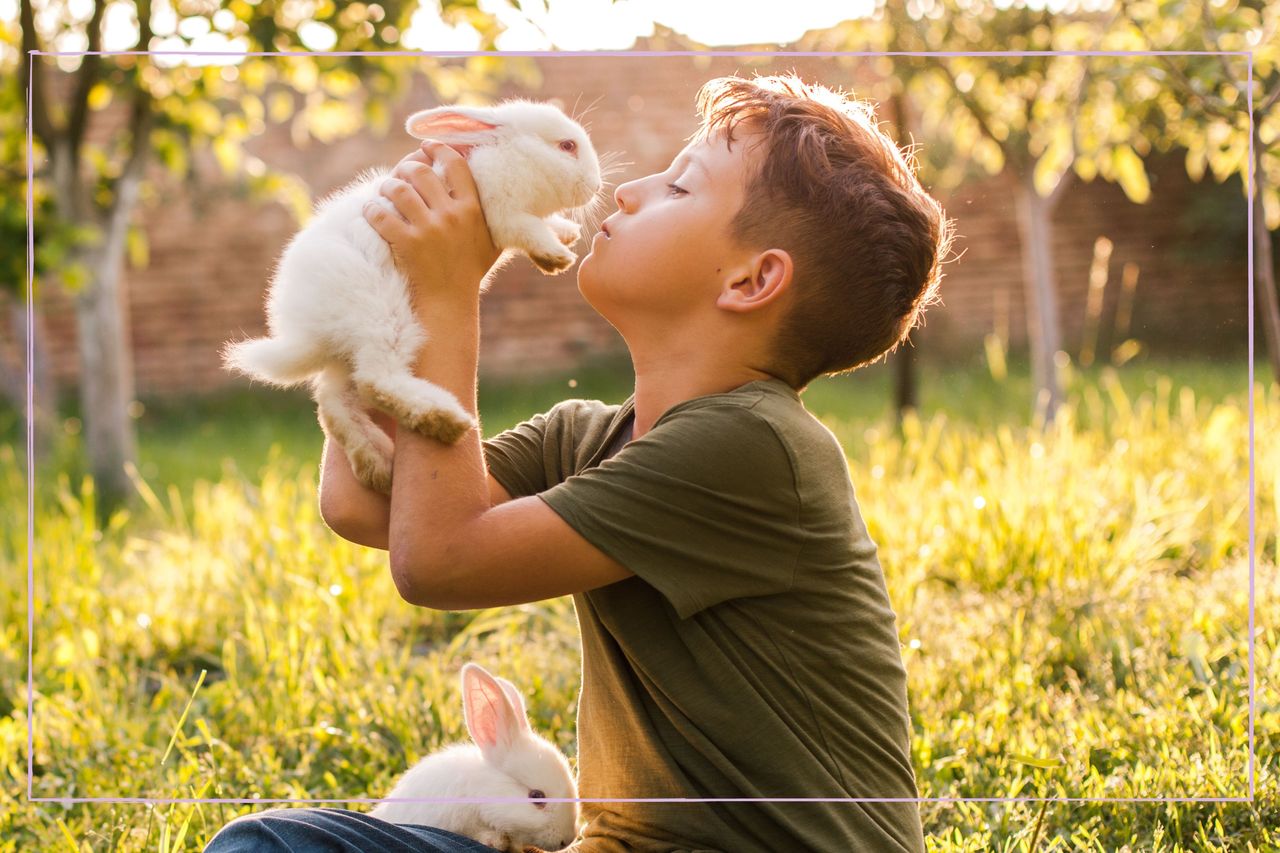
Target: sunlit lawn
{"points": [[1072, 602]]}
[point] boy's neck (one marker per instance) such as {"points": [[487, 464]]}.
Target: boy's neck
{"points": [[659, 390]]}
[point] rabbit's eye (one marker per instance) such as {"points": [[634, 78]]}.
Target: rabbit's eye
{"points": [[569, 145], [535, 794]]}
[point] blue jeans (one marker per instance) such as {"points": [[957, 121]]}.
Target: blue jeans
{"points": [[323, 830]]}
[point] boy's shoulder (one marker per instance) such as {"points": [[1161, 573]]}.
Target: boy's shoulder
{"points": [[773, 405], [767, 405]]}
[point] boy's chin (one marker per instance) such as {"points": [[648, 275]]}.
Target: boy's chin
{"points": [[595, 291]]}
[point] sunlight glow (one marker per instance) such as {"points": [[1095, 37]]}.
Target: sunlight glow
{"points": [[538, 25], [591, 24], [428, 31]]}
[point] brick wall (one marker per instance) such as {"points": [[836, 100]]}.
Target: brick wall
{"points": [[211, 252]]}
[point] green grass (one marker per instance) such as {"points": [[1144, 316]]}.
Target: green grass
{"points": [[1072, 603]]}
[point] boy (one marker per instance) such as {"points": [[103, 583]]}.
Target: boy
{"points": [[737, 638]]}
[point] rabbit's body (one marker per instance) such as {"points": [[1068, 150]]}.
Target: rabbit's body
{"points": [[507, 761], [338, 309], [460, 772]]}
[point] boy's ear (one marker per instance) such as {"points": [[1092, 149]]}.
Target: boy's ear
{"points": [[765, 278]]}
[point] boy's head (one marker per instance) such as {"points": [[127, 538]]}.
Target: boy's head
{"points": [[806, 248], [840, 197]]}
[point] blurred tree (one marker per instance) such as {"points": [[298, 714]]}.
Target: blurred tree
{"points": [[1031, 115], [50, 246], [172, 107], [1202, 103]]}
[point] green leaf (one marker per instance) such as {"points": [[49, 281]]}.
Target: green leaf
{"points": [[1044, 763], [1086, 168], [228, 154], [1195, 163], [280, 106], [99, 96], [1131, 174], [138, 248]]}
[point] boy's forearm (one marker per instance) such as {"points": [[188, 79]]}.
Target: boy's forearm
{"points": [[352, 510], [438, 489]]}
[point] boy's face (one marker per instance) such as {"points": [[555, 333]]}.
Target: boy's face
{"points": [[667, 251]]}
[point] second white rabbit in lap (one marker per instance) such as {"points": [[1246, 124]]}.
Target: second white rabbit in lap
{"points": [[338, 310], [507, 761]]}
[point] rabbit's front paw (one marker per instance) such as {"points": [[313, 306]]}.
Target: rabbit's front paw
{"points": [[567, 231], [495, 839], [372, 468], [553, 262]]}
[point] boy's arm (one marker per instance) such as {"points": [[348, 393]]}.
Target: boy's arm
{"points": [[449, 548], [360, 514]]}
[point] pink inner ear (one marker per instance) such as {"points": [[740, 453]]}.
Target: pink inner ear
{"points": [[487, 721], [441, 125], [517, 702]]}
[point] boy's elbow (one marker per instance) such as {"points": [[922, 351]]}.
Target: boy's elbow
{"points": [[331, 511], [349, 522], [339, 519], [404, 576], [414, 579]]}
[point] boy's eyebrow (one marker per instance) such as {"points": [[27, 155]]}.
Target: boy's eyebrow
{"points": [[694, 161]]}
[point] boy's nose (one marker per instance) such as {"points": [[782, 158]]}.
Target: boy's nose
{"points": [[622, 196]]}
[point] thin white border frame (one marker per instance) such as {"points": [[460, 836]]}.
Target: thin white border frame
{"points": [[1251, 192]]}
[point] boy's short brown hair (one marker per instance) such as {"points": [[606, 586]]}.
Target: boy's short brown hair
{"points": [[837, 194]]}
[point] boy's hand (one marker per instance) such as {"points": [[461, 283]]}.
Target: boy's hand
{"points": [[439, 240]]}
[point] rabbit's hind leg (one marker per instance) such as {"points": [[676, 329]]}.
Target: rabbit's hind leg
{"points": [[420, 405], [544, 243], [368, 448]]}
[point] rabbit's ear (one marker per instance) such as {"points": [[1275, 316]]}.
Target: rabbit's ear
{"points": [[491, 721], [451, 125], [517, 702]]}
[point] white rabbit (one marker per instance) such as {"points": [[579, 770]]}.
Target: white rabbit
{"points": [[338, 310], [507, 760]]}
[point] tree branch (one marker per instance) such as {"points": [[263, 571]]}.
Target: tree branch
{"points": [[144, 24], [140, 121], [86, 77], [141, 117], [966, 98], [1082, 91], [1213, 33], [32, 77], [1211, 107], [1260, 112]]}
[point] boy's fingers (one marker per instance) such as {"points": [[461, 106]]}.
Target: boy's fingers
{"points": [[424, 179], [387, 224], [457, 174], [409, 204], [417, 155]]}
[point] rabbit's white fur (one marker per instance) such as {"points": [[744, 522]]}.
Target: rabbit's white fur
{"points": [[338, 310], [507, 759]]}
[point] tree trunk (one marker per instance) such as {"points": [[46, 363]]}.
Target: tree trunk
{"points": [[905, 360], [904, 379], [1264, 279], [1044, 334], [44, 396], [106, 359]]}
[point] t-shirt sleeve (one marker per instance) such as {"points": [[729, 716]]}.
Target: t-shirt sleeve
{"points": [[516, 456], [704, 507]]}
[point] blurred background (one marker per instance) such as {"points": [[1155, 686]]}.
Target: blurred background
{"points": [[1056, 467], [1099, 201]]}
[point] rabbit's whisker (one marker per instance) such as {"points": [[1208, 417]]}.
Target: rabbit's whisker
{"points": [[584, 113]]}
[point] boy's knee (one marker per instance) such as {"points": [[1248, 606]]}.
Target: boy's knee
{"points": [[262, 831]]}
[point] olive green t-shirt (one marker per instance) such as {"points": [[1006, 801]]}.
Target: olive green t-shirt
{"points": [[754, 654]]}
